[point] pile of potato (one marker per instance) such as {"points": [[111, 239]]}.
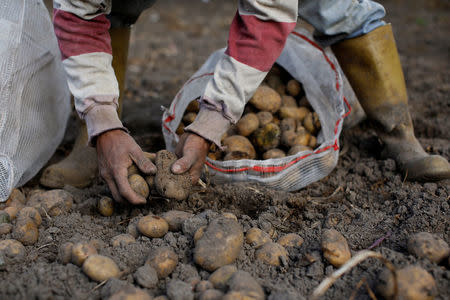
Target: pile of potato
{"points": [[278, 121]]}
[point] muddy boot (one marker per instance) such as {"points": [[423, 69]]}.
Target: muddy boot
{"points": [[372, 65], [79, 169]]}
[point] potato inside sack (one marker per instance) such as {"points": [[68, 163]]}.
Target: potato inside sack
{"points": [[238, 147]]}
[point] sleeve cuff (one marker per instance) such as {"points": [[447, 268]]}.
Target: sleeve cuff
{"points": [[102, 118], [210, 125]]}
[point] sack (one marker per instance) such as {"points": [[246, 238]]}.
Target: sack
{"points": [[34, 98], [328, 92]]}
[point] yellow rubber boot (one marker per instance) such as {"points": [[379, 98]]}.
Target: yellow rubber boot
{"points": [[372, 65], [79, 168]]}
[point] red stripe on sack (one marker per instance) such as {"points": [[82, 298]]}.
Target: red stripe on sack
{"points": [[335, 147], [78, 36], [255, 42]]}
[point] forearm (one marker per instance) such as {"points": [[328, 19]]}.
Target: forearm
{"points": [[85, 44], [257, 37]]}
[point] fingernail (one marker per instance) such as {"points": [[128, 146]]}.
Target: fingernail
{"points": [[176, 168]]}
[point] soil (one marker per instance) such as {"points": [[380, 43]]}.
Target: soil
{"points": [[364, 198]]}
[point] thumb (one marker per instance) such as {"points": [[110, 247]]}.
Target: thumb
{"points": [[183, 165]]}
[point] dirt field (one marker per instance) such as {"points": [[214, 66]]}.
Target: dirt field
{"points": [[369, 199]]}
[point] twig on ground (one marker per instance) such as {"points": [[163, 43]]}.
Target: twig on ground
{"points": [[98, 286], [318, 200], [44, 246], [354, 261], [255, 190], [344, 150], [202, 184], [124, 221], [380, 240], [356, 289]]}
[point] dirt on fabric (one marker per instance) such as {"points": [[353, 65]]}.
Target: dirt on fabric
{"points": [[364, 198]]}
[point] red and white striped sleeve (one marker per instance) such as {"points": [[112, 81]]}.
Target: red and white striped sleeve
{"points": [[82, 30], [257, 37]]}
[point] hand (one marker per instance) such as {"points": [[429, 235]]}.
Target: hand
{"points": [[192, 150], [116, 151]]}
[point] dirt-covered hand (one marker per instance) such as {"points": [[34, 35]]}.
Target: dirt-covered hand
{"points": [[116, 151], [192, 150]]}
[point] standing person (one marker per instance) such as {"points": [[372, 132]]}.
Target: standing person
{"points": [[363, 43]]}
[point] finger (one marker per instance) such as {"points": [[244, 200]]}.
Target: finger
{"points": [[196, 171], [125, 189], [144, 164], [114, 191], [184, 164]]}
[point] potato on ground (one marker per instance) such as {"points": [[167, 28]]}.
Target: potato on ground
{"points": [[12, 212], [256, 237], [131, 293], [139, 185], [4, 217], [266, 99], [12, 249], [81, 251], [243, 286], [100, 268], [264, 118], [167, 184], [163, 260], [65, 253], [30, 213], [105, 206], [297, 113], [211, 294], [26, 231], [15, 199], [247, 124], [199, 233], [272, 254], [427, 245], [413, 283], [146, 276], [203, 285], [294, 87], [290, 240], [122, 240], [238, 147], [175, 218], [5, 228], [267, 137], [229, 215], [53, 202], [153, 226], [335, 248], [220, 245], [220, 277]]}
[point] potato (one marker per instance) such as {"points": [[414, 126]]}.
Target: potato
{"points": [[26, 231], [193, 106], [267, 137], [146, 277], [132, 170], [5, 228], [297, 113], [239, 147], [189, 118], [304, 102], [150, 179], [151, 156], [180, 128], [247, 124], [308, 123], [12, 212], [316, 121], [427, 245], [220, 245], [97, 244], [298, 148], [272, 254], [256, 237], [215, 155], [335, 248], [153, 226], [288, 124], [4, 217], [413, 283], [81, 251], [31, 213], [131, 293], [122, 240], [290, 240], [139, 185], [199, 233], [220, 277], [100, 268], [211, 294], [169, 185], [105, 206], [163, 260], [245, 285], [273, 80], [266, 99], [312, 142], [294, 88], [175, 218], [53, 202], [288, 101], [303, 137], [229, 215], [17, 196], [65, 253], [12, 249], [132, 230], [203, 285], [264, 118]]}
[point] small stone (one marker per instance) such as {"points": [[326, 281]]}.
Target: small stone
{"points": [[220, 245], [335, 248], [427, 245], [179, 290], [65, 253], [146, 276], [175, 218]]}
